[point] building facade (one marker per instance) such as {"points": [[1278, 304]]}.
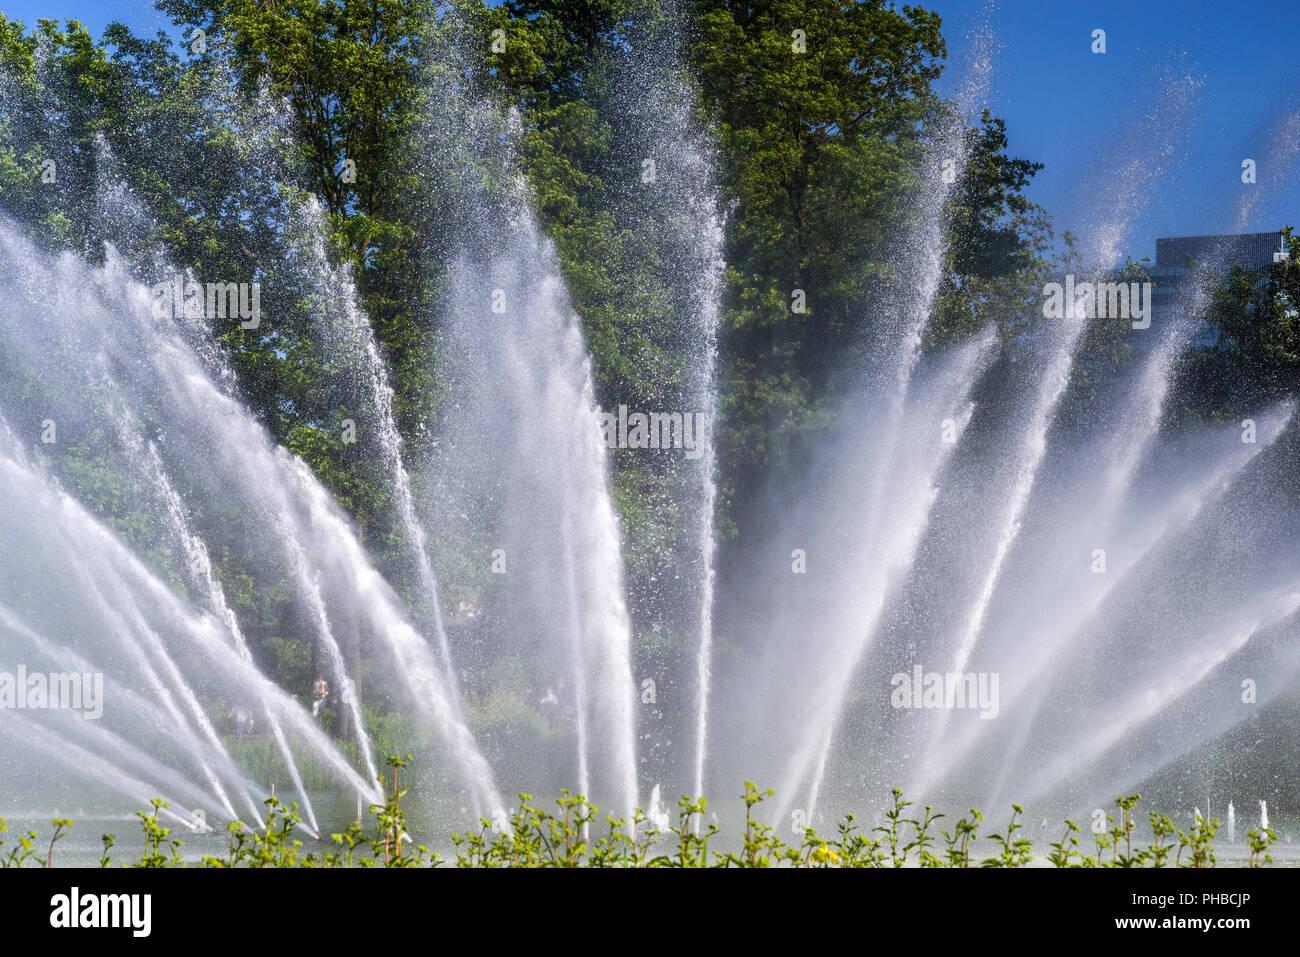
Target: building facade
{"points": [[1174, 274]]}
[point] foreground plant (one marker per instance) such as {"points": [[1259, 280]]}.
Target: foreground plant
{"points": [[575, 836]]}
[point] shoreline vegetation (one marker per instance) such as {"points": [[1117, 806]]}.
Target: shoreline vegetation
{"points": [[577, 835]]}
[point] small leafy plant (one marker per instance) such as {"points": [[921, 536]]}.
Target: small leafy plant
{"points": [[574, 835]]}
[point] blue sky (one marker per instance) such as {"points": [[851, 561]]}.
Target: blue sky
{"points": [[95, 14], [1068, 107]]}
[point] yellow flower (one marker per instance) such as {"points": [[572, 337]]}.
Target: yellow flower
{"points": [[824, 854]]}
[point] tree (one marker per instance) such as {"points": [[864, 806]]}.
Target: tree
{"points": [[825, 109], [1254, 355]]}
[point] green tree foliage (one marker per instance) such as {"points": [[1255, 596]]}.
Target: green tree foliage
{"points": [[819, 148], [818, 151], [821, 113], [1254, 353]]}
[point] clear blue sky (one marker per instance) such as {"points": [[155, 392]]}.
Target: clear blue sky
{"points": [[1067, 107]]}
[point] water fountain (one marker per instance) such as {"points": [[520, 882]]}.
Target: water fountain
{"points": [[947, 526], [672, 209]]}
